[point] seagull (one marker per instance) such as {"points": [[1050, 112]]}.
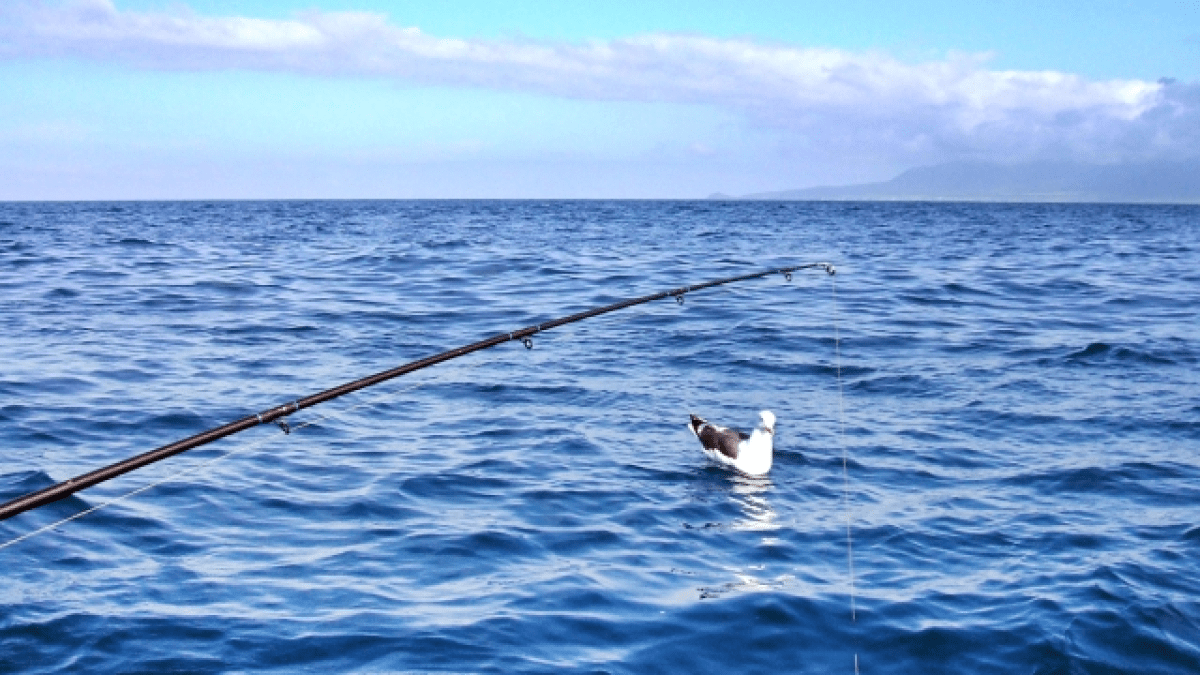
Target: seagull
{"points": [[748, 453]]}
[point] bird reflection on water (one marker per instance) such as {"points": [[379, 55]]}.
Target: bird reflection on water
{"points": [[750, 493]]}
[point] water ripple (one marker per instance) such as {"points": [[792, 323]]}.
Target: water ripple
{"points": [[1021, 431]]}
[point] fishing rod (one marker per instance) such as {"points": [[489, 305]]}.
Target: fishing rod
{"points": [[279, 413]]}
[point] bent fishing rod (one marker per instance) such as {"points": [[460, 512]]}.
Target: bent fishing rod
{"points": [[280, 412]]}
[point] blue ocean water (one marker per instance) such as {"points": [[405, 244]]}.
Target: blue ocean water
{"points": [[1022, 426]]}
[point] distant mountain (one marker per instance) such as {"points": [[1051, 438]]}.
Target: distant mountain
{"points": [[1152, 182]]}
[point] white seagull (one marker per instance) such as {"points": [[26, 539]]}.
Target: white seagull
{"points": [[748, 453]]}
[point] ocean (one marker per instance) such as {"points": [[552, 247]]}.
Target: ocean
{"points": [[1009, 481]]}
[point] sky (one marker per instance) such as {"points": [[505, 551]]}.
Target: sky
{"points": [[217, 99]]}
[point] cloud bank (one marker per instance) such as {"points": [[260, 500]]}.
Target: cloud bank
{"points": [[952, 108]]}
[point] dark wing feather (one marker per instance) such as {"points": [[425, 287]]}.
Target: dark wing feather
{"points": [[724, 442]]}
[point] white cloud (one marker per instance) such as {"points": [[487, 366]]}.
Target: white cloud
{"points": [[956, 107]]}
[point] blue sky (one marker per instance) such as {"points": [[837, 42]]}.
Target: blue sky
{"points": [[367, 98]]}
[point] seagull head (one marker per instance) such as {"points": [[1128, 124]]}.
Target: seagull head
{"points": [[766, 420]]}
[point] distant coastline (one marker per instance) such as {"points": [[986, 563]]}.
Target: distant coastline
{"points": [[1048, 182]]}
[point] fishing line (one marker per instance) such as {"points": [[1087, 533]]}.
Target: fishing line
{"points": [[127, 495], [837, 349]]}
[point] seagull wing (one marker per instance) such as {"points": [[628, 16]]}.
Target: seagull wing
{"points": [[724, 441]]}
